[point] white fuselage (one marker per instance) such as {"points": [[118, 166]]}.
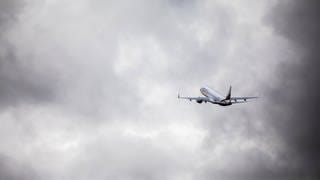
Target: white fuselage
{"points": [[214, 96], [211, 94]]}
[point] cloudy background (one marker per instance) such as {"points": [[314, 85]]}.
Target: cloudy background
{"points": [[88, 89]]}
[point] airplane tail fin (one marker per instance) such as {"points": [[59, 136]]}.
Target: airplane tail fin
{"points": [[228, 97]]}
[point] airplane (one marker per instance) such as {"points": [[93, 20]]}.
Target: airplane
{"points": [[214, 97]]}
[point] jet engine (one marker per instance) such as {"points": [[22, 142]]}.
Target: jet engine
{"points": [[199, 101]]}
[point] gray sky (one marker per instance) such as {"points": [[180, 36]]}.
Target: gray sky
{"points": [[88, 89]]}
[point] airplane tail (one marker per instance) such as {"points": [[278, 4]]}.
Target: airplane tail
{"points": [[228, 97]]}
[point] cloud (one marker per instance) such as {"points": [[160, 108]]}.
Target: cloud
{"points": [[13, 87], [12, 170], [21, 81], [9, 11], [89, 89], [297, 92]]}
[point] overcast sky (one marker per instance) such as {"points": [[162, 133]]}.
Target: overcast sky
{"points": [[88, 89]]}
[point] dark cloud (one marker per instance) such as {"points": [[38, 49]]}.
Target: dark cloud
{"points": [[12, 170], [297, 95], [123, 63], [8, 11], [20, 82], [250, 164], [15, 84], [19, 78]]}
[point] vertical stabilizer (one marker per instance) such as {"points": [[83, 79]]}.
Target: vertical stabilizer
{"points": [[229, 94]]}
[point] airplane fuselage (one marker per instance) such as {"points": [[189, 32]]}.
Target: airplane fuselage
{"points": [[215, 97]]}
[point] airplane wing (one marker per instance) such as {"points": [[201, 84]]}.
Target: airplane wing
{"points": [[241, 99], [205, 99]]}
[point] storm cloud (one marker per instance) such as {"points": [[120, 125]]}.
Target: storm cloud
{"points": [[21, 81], [297, 94], [88, 89]]}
